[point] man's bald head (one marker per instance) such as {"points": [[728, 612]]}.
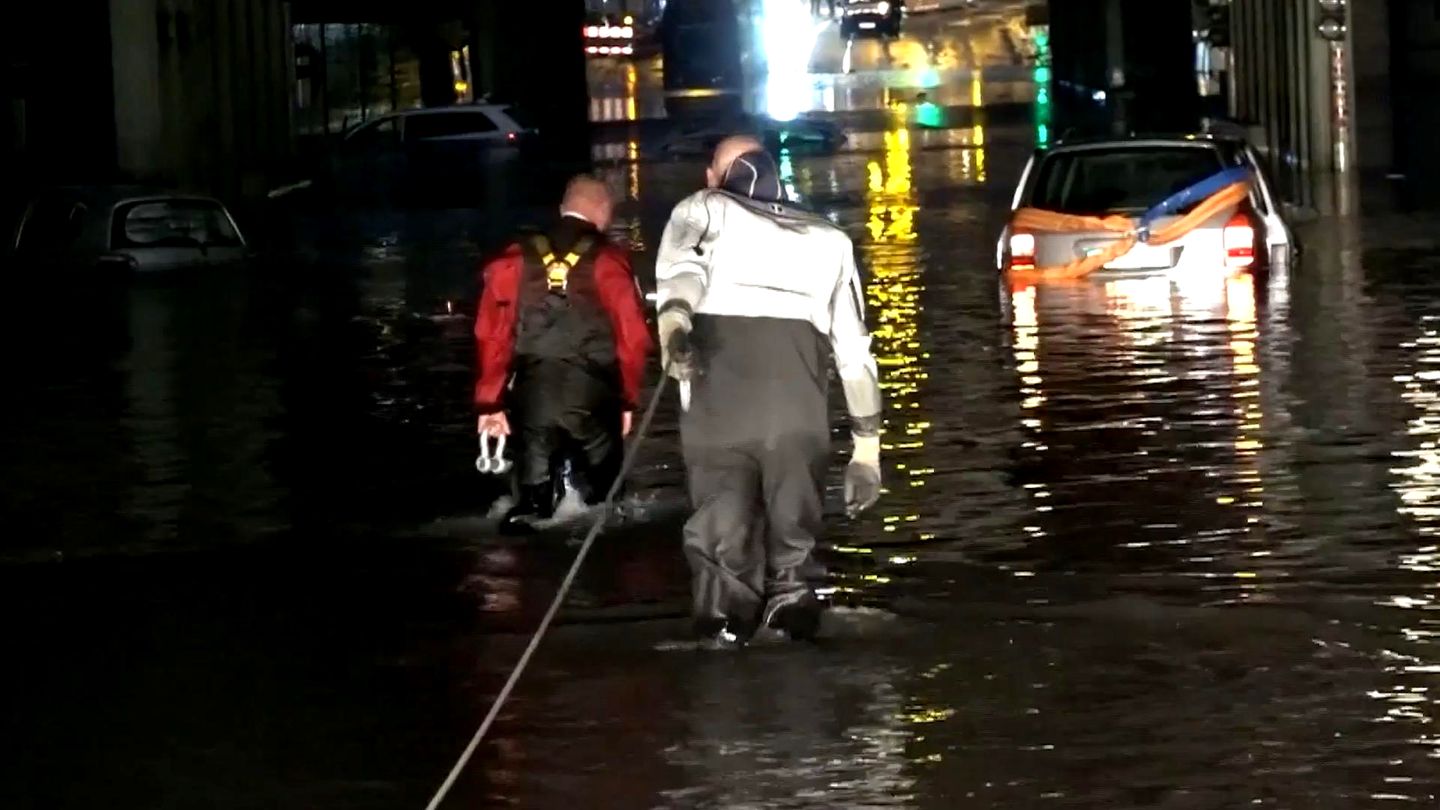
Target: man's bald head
{"points": [[589, 197], [725, 153]]}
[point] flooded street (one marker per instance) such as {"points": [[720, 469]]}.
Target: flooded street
{"points": [[1144, 544]]}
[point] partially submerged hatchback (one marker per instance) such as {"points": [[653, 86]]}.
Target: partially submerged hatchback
{"points": [[1129, 177], [129, 228]]}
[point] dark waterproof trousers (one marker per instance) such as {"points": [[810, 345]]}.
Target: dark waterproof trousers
{"points": [[566, 409], [756, 442]]}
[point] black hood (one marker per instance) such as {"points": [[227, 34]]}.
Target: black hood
{"points": [[754, 175]]}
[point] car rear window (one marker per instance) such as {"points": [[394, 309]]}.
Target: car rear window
{"points": [[173, 223], [1121, 180], [447, 125]]}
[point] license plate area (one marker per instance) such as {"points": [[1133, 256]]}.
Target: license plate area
{"points": [[1140, 257], [867, 25]]}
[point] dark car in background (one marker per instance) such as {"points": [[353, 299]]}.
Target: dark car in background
{"points": [[871, 18], [803, 135], [125, 228]]}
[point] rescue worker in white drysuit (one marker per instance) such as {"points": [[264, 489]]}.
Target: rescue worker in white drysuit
{"points": [[754, 295]]}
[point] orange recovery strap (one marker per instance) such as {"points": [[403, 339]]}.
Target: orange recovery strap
{"points": [[1041, 220]]}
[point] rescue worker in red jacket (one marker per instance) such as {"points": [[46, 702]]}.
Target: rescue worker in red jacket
{"points": [[562, 340]]}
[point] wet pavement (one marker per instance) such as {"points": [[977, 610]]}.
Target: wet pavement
{"points": [[1145, 544]]}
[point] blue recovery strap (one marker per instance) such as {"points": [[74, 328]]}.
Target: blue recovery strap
{"points": [[1184, 197]]}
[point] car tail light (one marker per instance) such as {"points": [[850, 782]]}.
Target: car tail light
{"points": [[1239, 241], [1022, 251]]}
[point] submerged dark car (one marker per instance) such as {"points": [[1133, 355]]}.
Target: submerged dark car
{"points": [[803, 135], [126, 227]]}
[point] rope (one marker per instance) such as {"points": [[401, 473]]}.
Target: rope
{"points": [[1133, 231], [554, 609]]}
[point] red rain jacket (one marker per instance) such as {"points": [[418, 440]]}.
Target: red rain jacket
{"points": [[495, 322]]}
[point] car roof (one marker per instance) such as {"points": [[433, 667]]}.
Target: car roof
{"points": [[449, 108], [1193, 139], [479, 107]]}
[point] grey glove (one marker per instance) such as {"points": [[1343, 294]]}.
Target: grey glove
{"points": [[677, 352], [862, 476]]}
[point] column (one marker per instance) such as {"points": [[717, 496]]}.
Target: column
{"points": [[1370, 45], [224, 56], [1318, 85], [135, 64]]}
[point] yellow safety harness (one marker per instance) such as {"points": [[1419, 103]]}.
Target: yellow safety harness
{"points": [[557, 270]]}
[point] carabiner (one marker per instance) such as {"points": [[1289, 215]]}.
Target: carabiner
{"points": [[492, 464]]}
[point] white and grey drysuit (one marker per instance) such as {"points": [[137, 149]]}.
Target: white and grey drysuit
{"points": [[766, 293]]}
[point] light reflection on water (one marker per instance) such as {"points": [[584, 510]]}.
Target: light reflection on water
{"points": [[896, 268], [1145, 540]]}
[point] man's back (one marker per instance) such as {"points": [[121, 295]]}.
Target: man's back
{"points": [[767, 265], [773, 292]]}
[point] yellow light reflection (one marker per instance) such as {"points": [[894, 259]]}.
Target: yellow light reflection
{"points": [[893, 295], [632, 152], [969, 158], [630, 81], [979, 141]]}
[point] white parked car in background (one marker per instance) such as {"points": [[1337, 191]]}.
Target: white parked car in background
{"points": [[487, 124], [1128, 176]]}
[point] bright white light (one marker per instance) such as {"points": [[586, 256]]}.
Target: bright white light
{"points": [[788, 35], [592, 31], [883, 7], [627, 50], [627, 32]]}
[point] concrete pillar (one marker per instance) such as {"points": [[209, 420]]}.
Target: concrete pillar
{"points": [[437, 82], [242, 84], [1373, 116], [483, 25], [1116, 82], [1159, 64], [1317, 85], [139, 126], [1139, 53], [284, 75], [539, 49], [1078, 59], [258, 59], [224, 56]]}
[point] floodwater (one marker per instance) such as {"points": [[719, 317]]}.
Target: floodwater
{"points": [[1144, 544]]}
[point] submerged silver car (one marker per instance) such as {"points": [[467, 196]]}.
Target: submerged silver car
{"points": [[131, 228], [1130, 176]]}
